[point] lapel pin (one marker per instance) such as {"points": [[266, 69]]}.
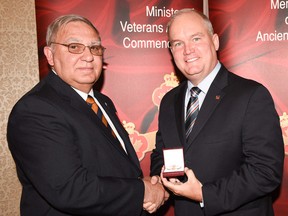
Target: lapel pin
{"points": [[217, 97]]}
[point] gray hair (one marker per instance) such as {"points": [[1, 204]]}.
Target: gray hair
{"points": [[206, 20], [62, 21]]}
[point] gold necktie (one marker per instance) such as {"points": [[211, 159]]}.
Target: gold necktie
{"points": [[91, 102]]}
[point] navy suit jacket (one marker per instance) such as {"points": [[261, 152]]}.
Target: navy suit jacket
{"points": [[235, 149], [67, 161]]}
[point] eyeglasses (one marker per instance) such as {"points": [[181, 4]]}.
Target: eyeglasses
{"points": [[78, 48]]}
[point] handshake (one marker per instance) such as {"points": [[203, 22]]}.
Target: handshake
{"points": [[155, 194]]}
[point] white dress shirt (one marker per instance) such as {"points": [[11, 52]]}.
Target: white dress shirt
{"points": [[204, 86]]}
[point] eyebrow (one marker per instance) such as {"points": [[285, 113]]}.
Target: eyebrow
{"points": [[197, 34], [96, 42], [192, 36], [76, 40]]}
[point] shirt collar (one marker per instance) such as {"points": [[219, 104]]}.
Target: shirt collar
{"points": [[205, 84], [83, 94]]}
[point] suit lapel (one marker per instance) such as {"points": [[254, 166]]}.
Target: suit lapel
{"points": [[179, 111], [71, 97], [213, 98], [121, 131], [114, 118], [79, 104]]}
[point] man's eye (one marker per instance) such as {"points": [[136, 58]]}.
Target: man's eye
{"points": [[95, 48], [177, 44], [74, 46]]}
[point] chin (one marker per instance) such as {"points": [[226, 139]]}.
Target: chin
{"points": [[192, 73]]}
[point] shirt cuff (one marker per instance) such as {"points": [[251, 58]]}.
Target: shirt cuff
{"points": [[202, 204]]}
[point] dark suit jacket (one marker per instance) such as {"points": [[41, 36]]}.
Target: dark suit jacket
{"points": [[235, 148], [67, 160]]}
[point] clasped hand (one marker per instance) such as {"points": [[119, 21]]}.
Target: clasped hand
{"points": [[155, 195]]}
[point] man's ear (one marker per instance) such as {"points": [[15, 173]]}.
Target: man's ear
{"points": [[215, 39], [49, 55]]}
